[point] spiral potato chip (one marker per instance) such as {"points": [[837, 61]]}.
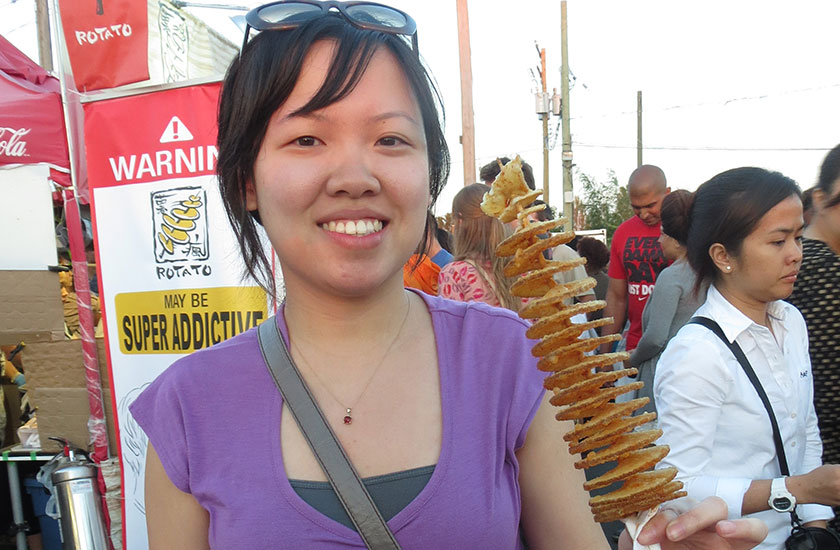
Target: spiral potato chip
{"points": [[670, 491], [605, 430]]}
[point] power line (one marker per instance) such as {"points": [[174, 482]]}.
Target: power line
{"points": [[688, 148], [722, 102]]}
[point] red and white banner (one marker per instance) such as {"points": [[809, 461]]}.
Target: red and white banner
{"points": [[107, 41], [169, 274]]}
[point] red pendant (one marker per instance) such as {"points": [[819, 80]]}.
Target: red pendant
{"points": [[347, 418]]}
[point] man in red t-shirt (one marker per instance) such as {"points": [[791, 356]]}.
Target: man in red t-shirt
{"points": [[635, 255]]}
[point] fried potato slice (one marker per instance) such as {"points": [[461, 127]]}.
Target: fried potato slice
{"points": [[565, 333], [635, 485], [634, 507], [537, 283], [610, 413], [570, 394], [610, 432], [588, 407], [552, 348], [531, 258], [510, 183], [554, 306], [526, 236], [522, 214], [568, 376], [517, 207], [647, 496], [627, 442], [629, 464]]}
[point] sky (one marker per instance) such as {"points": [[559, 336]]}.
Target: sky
{"points": [[725, 83]]}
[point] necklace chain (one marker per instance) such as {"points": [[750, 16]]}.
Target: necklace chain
{"points": [[348, 416]]}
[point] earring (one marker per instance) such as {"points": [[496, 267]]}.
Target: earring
{"points": [[728, 268]]}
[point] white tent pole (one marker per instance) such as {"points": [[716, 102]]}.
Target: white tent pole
{"points": [[63, 69]]}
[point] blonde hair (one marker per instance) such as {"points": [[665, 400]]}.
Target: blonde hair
{"points": [[476, 238]]}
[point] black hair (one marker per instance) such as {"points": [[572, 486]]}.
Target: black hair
{"points": [[726, 209], [596, 253], [675, 212], [528, 175], [808, 199], [444, 238], [830, 173], [545, 214], [258, 83]]}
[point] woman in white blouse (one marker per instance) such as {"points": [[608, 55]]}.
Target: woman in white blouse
{"points": [[745, 239]]}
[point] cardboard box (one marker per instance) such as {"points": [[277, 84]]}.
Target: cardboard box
{"points": [[64, 412], [60, 364], [55, 375], [31, 307]]}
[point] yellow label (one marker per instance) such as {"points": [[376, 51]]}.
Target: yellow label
{"points": [[185, 320]]}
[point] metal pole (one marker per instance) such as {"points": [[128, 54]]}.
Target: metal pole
{"points": [[568, 193], [17, 505], [639, 128], [467, 122]]}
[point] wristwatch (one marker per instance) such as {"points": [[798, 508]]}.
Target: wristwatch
{"points": [[781, 499]]}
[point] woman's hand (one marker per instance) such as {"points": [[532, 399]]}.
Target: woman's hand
{"points": [[703, 527], [820, 485]]}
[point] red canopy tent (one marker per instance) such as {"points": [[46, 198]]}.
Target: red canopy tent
{"points": [[32, 131], [31, 115]]}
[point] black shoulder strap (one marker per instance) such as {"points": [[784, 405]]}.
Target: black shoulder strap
{"points": [[745, 364], [331, 456]]}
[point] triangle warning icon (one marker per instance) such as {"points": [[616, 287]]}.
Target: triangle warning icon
{"points": [[175, 131]]}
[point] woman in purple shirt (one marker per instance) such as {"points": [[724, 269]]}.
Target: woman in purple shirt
{"points": [[329, 138]]}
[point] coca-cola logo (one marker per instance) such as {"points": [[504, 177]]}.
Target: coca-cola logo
{"points": [[11, 143]]}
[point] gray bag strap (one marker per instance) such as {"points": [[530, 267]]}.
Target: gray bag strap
{"points": [[331, 456]]}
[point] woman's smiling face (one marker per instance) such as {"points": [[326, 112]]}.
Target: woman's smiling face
{"points": [[342, 192]]}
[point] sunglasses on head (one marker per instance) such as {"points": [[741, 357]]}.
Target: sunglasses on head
{"points": [[289, 14]]}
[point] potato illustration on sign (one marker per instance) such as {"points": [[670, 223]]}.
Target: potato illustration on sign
{"points": [[179, 235]]}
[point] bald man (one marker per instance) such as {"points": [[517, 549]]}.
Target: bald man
{"points": [[635, 255]]}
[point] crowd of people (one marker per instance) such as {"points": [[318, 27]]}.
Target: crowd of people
{"points": [[330, 142]]}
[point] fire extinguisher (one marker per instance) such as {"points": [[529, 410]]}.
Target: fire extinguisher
{"points": [[79, 503]]}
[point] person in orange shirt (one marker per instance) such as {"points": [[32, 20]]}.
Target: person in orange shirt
{"points": [[422, 272]]}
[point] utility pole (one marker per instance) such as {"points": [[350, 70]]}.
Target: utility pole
{"points": [[568, 192], [467, 121], [42, 22], [544, 117], [638, 128], [545, 107]]}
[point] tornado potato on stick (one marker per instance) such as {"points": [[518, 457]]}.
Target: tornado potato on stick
{"points": [[603, 429]]}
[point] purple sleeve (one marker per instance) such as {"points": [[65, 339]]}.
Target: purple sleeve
{"points": [[159, 412], [526, 388]]}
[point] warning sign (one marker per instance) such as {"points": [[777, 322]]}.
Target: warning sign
{"points": [[175, 131], [186, 320]]}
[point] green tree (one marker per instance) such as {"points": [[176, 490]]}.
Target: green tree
{"points": [[605, 204], [623, 207]]}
